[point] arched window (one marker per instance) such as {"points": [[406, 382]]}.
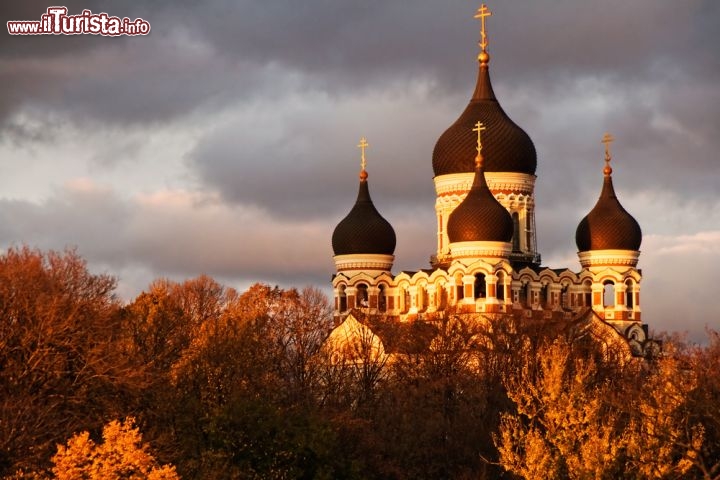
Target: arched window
{"points": [[587, 293], [479, 290], [516, 232], [564, 303], [544, 295], [343, 298], [406, 300], [500, 286], [382, 301], [362, 296], [459, 288], [609, 294], [629, 295], [525, 294]]}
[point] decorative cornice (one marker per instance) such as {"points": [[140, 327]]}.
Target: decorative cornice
{"points": [[365, 262], [593, 258], [460, 250], [498, 182]]}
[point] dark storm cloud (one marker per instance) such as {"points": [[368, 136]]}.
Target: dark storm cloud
{"points": [[217, 53], [303, 163], [222, 54], [640, 60]]}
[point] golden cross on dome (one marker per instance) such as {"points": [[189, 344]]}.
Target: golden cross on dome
{"points": [[362, 146], [607, 140], [483, 12], [479, 127]]}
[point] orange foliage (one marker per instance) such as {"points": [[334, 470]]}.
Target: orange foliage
{"points": [[120, 456]]}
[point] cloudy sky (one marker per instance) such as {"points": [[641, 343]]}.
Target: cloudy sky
{"points": [[224, 141]]}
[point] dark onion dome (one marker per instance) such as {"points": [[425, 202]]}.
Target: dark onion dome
{"points": [[363, 230], [480, 217], [508, 150], [608, 226]]}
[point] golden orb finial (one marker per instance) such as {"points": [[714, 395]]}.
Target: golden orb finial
{"points": [[607, 140], [483, 12], [362, 146]]}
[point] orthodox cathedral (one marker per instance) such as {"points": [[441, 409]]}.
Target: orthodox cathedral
{"points": [[487, 261]]}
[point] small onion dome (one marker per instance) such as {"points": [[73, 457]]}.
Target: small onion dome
{"points": [[363, 230], [480, 217], [608, 226], [508, 150]]}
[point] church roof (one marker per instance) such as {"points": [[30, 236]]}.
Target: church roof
{"points": [[363, 230], [509, 149], [480, 217], [608, 226]]}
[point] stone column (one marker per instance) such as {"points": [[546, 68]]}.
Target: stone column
{"points": [[469, 289], [351, 294]]}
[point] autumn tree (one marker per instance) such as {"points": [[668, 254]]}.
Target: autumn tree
{"points": [[121, 455], [431, 417], [576, 417], [162, 321], [60, 368], [664, 440], [703, 403], [233, 362], [561, 427]]}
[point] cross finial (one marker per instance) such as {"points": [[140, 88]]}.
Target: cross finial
{"points": [[479, 127], [362, 146], [607, 140], [483, 12]]}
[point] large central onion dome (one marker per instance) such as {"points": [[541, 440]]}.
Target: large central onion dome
{"points": [[608, 226], [508, 150], [363, 230], [480, 217]]}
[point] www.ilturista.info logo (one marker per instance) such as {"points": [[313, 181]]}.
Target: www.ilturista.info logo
{"points": [[57, 22]]}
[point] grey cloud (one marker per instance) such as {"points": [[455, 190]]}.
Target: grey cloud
{"points": [[340, 47], [279, 93], [175, 234], [297, 159]]}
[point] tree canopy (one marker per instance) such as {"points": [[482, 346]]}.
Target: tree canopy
{"points": [[253, 385]]}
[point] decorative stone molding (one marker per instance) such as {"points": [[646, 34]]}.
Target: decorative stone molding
{"points": [[519, 183], [460, 250], [596, 258], [369, 263]]}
